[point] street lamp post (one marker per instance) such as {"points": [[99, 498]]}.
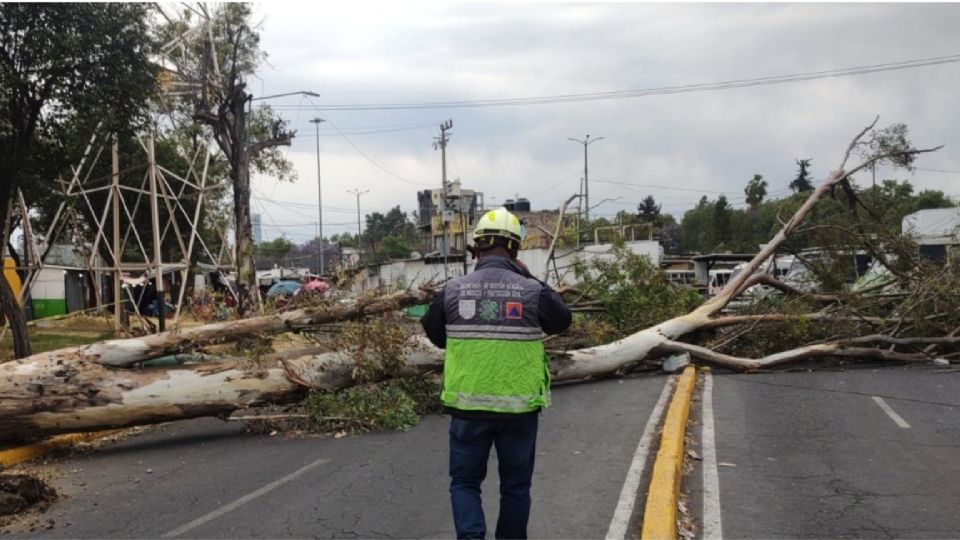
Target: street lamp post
{"points": [[316, 122], [586, 185]]}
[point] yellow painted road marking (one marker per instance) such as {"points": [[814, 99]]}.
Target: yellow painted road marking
{"points": [[660, 513], [20, 454]]}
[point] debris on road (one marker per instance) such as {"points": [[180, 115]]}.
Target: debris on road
{"points": [[21, 493]]}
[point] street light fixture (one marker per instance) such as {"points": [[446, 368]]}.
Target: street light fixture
{"points": [[317, 121], [300, 92], [586, 186]]}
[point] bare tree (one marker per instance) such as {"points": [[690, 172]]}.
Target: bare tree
{"points": [[224, 51]]}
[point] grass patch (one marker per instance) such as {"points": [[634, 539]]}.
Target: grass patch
{"points": [[42, 341]]}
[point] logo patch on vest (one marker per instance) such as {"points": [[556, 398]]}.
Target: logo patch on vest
{"points": [[489, 310], [514, 310], [467, 308]]}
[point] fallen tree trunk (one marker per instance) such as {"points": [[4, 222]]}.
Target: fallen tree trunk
{"points": [[66, 397], [124, 352], [82, 389], [51, 396]]}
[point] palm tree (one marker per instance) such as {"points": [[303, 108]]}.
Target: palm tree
{"points": [[802, 182], [755, 191]]}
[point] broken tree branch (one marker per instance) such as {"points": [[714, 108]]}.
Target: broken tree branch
{"points": [[124, 352], [556, 235]]}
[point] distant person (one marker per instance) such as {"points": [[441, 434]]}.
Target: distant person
{"points": [[495, 374]]}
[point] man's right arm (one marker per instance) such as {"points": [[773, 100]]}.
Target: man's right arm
{"points": [[555, 316], [435, 321]]}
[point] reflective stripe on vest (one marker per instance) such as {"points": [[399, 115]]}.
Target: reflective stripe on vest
{"points": [[517, 404], [478, 331]]}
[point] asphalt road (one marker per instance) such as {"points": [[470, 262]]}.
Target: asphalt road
{"points": [[209, 479], [817, 455]]}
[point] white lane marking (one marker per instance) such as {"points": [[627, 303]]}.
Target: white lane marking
{"points": [[712, 525], [631, 485], [244, 500], [897, 419]]}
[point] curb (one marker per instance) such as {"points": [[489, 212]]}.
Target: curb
{"points": [[20, 454], [660, 513]]}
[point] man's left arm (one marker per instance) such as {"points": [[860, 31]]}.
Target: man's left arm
{"points": [[435, 321]]}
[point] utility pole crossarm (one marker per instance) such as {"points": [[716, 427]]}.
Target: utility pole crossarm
{"points": [[586, 174]]}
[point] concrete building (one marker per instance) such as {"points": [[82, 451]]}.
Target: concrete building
{"points": [[445, 222], [410, 274], [936, 231]]}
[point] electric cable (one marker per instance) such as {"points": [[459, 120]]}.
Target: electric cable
{"points": [[656, 91]]}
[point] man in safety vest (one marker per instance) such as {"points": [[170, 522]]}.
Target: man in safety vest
{"points": [[495, 375]]}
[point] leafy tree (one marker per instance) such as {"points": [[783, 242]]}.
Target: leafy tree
{"points": [[670, 237], [344, 239], [273, 252], [696, 228], [394, 247], [64, 70], [928, 199], [755, 191], [390, 235], [802, 183], [721, 221], [649, 211]]}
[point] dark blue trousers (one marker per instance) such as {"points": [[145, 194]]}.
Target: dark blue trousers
{"points": [[516, 443]]}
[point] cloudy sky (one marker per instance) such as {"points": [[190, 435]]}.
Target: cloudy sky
{"points": [[677, 147]]}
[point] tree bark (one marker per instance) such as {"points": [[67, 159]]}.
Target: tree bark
{"points": [[13, 315], [125, 352], [247, 290]]}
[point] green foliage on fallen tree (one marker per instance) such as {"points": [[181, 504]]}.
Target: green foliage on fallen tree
{"points": [[632, 293], [391, 405]]}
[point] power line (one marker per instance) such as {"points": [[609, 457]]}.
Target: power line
{"points": [[937, 170], [310, 224], [370, 131], [371, 160], [658, 91], [669, 188], [312, 206]]}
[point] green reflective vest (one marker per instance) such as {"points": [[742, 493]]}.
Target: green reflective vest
{"points": [[494, 354]]}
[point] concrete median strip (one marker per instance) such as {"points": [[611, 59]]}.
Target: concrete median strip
{"points": [[13, 456], [660, 513]]}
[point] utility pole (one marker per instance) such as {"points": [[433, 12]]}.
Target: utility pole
{"points": [[358, 193], [579, 211], [317, 121], [586, 177], [441, 143]]}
